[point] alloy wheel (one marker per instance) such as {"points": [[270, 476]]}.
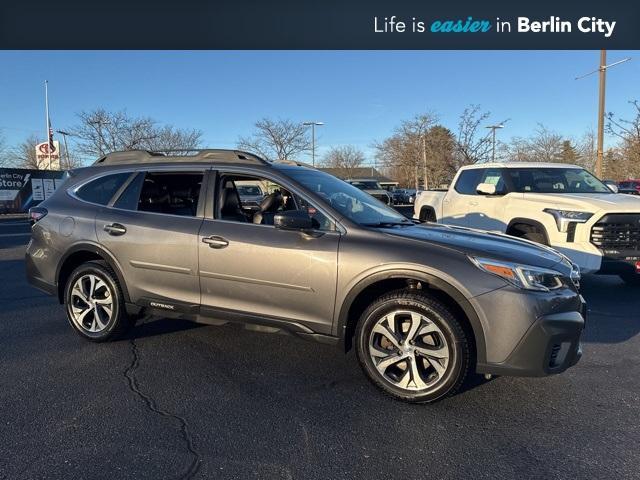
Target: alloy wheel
{"points": [[91, 303], [409, 350]]}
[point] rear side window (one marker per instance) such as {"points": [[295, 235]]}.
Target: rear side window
{"points": [[468, 181], [102, 189], [173, 193]]}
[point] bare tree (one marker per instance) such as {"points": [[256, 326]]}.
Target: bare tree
{"points": [[473, 144], [545, 145], [624, 161], [24, 155], [4, 157], [101, 131], [277, 139], [344, 158]]}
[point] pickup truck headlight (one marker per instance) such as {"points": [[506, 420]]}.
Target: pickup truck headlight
{"points": [[565, 217], [526, 277]]}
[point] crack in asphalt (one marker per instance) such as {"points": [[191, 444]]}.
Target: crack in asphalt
{"points": [[151, 404]]}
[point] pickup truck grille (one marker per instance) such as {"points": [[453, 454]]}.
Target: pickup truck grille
{"points": [[617, 231]]}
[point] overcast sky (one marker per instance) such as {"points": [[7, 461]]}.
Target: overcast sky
{"points": [[361, 96]]}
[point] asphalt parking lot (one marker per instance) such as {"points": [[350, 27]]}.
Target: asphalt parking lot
{"points": [[178, 400]]}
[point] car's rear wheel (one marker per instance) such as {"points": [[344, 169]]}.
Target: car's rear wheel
{"points": [[95, 304], [412, 347]]}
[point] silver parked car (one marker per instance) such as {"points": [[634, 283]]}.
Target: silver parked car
{"points": [[424, 305]]}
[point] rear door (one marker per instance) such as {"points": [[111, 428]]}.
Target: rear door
{"points": [[151, 228], [456, 204]]}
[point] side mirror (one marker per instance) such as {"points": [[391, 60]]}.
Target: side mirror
{"points": [[293, 220], [486, 189], [613, 188]]}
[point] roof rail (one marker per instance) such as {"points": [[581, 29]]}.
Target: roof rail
{"points": [[180, 156]]}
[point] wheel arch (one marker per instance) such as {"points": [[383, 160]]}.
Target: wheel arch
{"points": [[529, 222], [429, 213], [82, 253], [379, 283]]}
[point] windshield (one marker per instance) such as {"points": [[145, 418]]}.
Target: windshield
{"points": [[555, 180], [356, 205], [249, 190]]}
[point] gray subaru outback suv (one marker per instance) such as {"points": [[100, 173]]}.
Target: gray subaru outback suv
{"points": [[140, 233]]}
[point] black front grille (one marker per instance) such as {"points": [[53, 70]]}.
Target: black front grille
{"points": [[617, 231]]}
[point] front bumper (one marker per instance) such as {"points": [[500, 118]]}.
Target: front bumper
{"points": [[550, 346]]}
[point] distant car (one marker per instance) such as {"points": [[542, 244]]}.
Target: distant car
{"points": [[631, 187], [410, 195], [398, 196], [373, 188], [250, 195]]}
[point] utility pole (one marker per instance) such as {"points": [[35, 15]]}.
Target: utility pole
{"points": [[493, 140], [313, 139], [66, 148], [602, 71]]}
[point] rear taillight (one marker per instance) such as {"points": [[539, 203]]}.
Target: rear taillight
{"points": [[37, 213]]}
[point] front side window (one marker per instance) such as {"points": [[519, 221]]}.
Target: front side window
{"points": [[256, 200], [102, 189], [172, 193]]}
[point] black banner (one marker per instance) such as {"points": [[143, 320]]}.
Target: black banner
{"points": [[308, 24], [21, 188]]}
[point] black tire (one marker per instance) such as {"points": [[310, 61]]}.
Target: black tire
{"points": [[118, 323], [433, 311], [631, 279]]}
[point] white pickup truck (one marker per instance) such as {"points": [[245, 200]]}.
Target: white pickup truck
{"points": [[560, 205]]}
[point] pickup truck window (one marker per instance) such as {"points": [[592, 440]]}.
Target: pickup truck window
{"points": [[555, 180], [468, 181]]}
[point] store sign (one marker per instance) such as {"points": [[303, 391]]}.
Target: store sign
{"points": [[21, 189], [48, 158]]}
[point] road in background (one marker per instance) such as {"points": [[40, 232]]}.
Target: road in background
{"points": [[178, 400]]}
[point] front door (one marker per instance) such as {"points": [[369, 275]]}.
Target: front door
{"points": [[249, 266]]}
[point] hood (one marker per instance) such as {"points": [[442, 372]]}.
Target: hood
{"points": [[588, 202], [485, 244]]}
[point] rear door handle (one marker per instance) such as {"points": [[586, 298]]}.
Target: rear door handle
{"points": [[115, 229], [216, 242]]}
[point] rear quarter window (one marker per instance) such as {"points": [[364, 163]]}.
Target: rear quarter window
{"points": [[102, 189]]}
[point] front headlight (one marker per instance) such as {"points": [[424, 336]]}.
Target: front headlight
{"points": [[526, 277], [565, 217]]}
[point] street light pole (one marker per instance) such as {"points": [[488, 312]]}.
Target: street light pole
{"points": [[493, 141], [66, 148], [313, 139]]}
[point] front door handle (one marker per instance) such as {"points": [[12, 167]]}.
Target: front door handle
{"points": [[473, 204], [216, 242], [115, 229]]}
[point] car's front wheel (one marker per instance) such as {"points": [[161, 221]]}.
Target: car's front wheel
{"points": [[412, 346], [95, 304]]}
